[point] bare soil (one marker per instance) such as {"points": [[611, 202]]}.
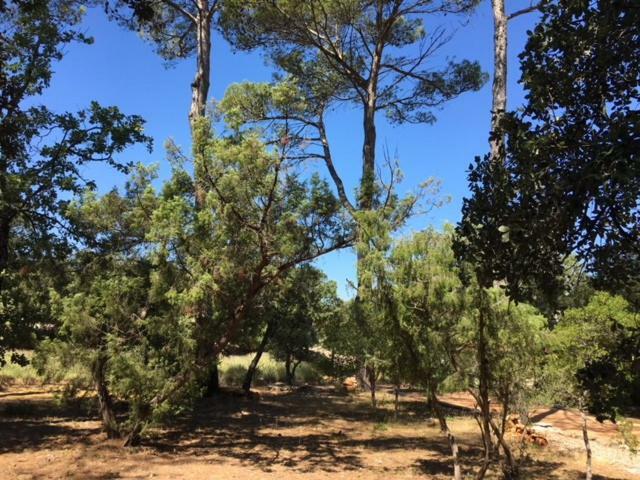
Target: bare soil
{"points": [[312, 433]]}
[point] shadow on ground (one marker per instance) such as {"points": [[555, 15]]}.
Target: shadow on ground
{"points": [[315, 430]]}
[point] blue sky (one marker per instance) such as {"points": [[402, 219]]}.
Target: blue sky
{"points": [[121, 69]]}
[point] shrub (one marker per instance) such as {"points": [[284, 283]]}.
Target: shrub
{"points": [[308, 373]]}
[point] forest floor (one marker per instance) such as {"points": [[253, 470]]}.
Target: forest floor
{"points": [[312, 433]]}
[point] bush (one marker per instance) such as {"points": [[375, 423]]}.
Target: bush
{"points": [[233, 374], [308, 373], [269, 371]]}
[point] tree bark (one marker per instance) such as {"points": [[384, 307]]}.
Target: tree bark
{"points": [[133, 437], [5, 232], [367, 182], [396, 405], [483, 390], [444, 428], [212, 381], [287, 370], [253, 366], [201, 82], [105, 402], [294, 367], [371, 372], [510, 469], [499, 97], [587, 445]]}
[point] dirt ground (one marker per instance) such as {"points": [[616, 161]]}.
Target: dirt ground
{"points": [[313, 433]]}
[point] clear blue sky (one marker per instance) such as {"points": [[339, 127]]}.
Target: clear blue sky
{"points": [[120, 69]]}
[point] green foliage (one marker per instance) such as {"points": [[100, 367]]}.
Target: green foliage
{"points": [[306, 42], [40, 156], [567, 182], [164, 24], [303, 300], [257, 220], [373, 55], [593, 362], [115, 311], [625, 427]]}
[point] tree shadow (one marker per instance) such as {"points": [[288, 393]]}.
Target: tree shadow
{"points": [[315, 430]]}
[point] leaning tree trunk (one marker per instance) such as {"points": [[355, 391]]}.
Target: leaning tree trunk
{"points": [[509, 468], [444, 428], [294, 367], [253, 366], [132, 439], [587, 445], [105, 402]]}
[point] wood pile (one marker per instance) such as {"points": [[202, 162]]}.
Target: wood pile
{"points": [[527, 434]]}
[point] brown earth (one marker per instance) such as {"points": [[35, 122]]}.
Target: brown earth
{"points": [[314, 433]]}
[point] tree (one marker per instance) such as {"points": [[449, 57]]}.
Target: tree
{"points": [[499, 87], [551, 197], [427, 317], [299, 305], [425, 302], [179, 29], [258, 220], [42, 152], [374, 55], [343, 51], [117, 322], [593, 362], [508, 354]]}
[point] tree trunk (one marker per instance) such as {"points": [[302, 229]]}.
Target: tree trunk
{"points": [[361, 376], [587, 445], [371, 371], [509, 469], [212, 380], [5, 233], [105, 403], [444, 428], [287, 370], [201, 82], [253, 366], [396, 393], [133, 437], [499, 102], [333, 364], [483, 390], [506, 398], [294, 367], [367, 182]]}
